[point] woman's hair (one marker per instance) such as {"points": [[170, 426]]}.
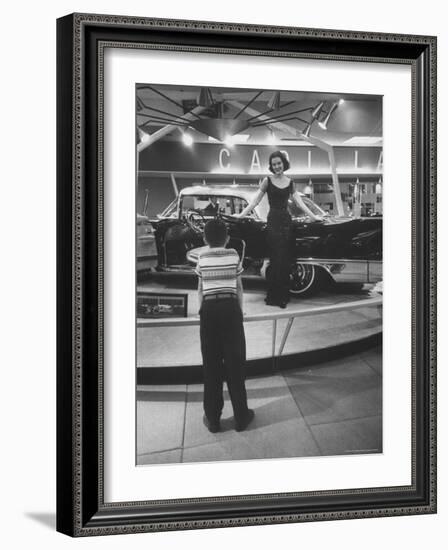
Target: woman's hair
{"points": [[282, 156]]}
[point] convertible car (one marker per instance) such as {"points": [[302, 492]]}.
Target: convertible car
{"points": [[330, 249]]}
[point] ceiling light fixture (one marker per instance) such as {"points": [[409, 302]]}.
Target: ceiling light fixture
{"points": [[143, 136], [306, 132], [274, 102], [315, 113], [187, 139], [229, 141], [324, 122], [212, 119], [205, 98]]}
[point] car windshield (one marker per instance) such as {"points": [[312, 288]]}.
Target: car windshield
{"points": [[171, 210], [297, 212], [210, 205]]}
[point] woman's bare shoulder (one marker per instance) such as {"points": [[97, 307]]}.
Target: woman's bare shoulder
{"points": [[264, 183]]}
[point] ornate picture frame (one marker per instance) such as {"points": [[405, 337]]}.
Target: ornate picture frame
{"points": [[81, 507]]}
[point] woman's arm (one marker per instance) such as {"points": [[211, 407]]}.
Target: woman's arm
{"points": [[257, 198]]}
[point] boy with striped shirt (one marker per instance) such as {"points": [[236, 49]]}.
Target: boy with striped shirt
{"points": [[223, 343]]}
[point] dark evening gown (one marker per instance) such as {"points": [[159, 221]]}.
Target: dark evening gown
{"points": [[279, 242]]}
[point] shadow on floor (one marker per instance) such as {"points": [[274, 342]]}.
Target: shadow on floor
{"points": [[47, 519]]}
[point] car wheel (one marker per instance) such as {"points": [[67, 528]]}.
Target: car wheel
{"points": [[304, 279]]}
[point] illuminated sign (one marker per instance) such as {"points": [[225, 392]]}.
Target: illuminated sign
{"points": [[222, 153], [246, 159]]}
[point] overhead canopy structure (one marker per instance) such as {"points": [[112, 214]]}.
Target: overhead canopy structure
{"points": [[220, 113], [223, 115]]}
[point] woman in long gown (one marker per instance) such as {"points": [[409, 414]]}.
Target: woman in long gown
{"points": [[279, 189]]}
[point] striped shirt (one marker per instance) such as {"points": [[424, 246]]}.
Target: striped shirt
{"points": [[219, 268]]}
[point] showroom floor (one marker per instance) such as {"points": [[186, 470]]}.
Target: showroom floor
{"points": [[332, 408]]}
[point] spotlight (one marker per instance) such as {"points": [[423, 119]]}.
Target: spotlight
{"points": [[205, 98], [315, 113], [143, 136], [187, 139], [306, 132], [229, 141], [324, 123], [274, 102]]}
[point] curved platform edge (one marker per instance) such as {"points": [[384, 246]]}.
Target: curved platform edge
{"points": [[192, 374]]}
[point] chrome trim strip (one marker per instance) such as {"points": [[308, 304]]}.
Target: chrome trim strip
{"points": [[348, 270]]}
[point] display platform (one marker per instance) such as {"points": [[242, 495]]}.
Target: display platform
{"points": [[341, 320]]}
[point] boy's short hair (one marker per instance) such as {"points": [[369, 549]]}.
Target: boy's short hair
{"points": [[215, 232]]}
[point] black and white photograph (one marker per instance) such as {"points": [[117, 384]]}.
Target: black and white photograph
{"points": [[259, 273], [228, 214]]}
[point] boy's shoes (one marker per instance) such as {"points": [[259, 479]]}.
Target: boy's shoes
{"points": [[241, 426], [212, 427]]}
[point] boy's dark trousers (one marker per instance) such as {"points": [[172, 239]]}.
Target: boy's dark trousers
{"points": [[223, 347]]}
